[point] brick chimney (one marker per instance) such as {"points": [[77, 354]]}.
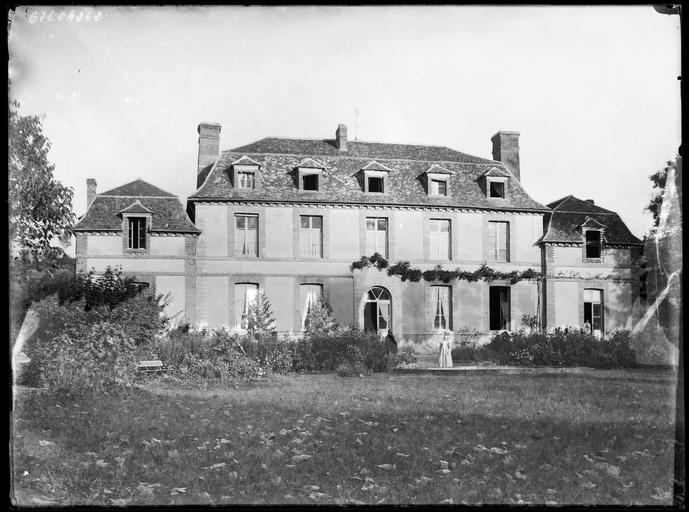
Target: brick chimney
{"points": [[506, 150], [209, 144], [90, 191], [341, 137]]}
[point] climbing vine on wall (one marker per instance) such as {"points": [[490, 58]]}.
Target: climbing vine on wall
{"points": [[407, 273]]}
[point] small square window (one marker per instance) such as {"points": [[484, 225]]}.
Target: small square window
{"points": [[376, 185], [497, 189], [309, 182], [245, 180], [438, 187]]}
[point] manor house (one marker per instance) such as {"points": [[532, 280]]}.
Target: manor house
{"points": [[288, 217]]}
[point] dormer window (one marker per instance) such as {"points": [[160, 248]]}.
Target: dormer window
{"points": [[375, 178], [309, 174], [245, 175], [136, 233], [438, 187], [375, 184], [497, 187], [245, 180], [593, 244], [437, 181]]}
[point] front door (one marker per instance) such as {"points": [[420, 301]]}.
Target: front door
{"points": [[377, 311]]}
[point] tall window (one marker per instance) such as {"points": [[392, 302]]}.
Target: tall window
{"points": [[137, 233], [246, 179], [593, 309], [244, 298], [440, 239], [246, 235], [438, 187], [499, 307], [311, 237], [499, 241], [593, 244], [377, 236], [377, 310], [310, 294], [441, 301]]}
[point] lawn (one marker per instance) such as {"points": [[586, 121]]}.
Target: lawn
{"points": [[602, 437]]}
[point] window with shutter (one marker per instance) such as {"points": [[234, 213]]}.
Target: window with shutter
{"points": [[439, 239], [246, 235], [377, 236], [311, 236], [499, 241]]}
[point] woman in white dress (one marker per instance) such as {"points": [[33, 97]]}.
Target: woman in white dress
{"points": [[445, 353]]}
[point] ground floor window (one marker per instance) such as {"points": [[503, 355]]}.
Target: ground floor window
{"points": [[500, 308], [244, 297], [441, 302], [309, 294], [377, 310], [593, 310]]}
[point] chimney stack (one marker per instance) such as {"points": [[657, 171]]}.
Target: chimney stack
{"points": [[90, 191], [209, 144], [506, 150], [341, 137]]}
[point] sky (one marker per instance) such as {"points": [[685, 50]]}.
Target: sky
{"points": [[594, 91]]}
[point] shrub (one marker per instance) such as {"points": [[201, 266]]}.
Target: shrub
{"points": [[270, 351], [328, 351], [98, 359], [142, 316], [351, 370], [464, 354], [202, 356], [531, 322], [563, 347], [405, 355]]}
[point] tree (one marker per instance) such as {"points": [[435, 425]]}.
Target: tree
{"points": [[261, 319], [40, 207], [319, 318]]}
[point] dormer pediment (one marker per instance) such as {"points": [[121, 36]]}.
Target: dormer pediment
{"points": [[375, 166], [494, 172], [436, 169], [136, 208], [310, 163], [246, 161], [590, 223]]}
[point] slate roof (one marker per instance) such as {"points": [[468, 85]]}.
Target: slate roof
{"points": [[570, 213], [341, 179], [168, 214]]}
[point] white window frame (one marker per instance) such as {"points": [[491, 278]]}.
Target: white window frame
{"points": [[433, 178], [376, 174], [377, 239], [309, 293], [497, 240], [441, 308], [490, 180], [243, 238], [440, 242], [245, 294], [242, 169], [310, 238]]}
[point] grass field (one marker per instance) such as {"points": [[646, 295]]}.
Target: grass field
{"points": [[604, 437]]}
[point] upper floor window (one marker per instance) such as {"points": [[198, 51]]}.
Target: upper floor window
{"points": [[245, 179], [439, 239], [246, 235], [377, 236], [438, 187], [311, 236], [136, 233], [499, 241], [441, 303], [593, 244]]}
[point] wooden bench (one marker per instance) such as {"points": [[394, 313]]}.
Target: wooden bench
{"points": [[153, 366]]}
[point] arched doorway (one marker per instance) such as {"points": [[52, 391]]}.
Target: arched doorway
{"points": [[378, 311]]}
